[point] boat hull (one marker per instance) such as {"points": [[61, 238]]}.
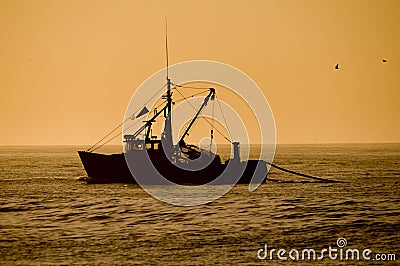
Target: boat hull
{"points": [[105, 168], [113, 168]]}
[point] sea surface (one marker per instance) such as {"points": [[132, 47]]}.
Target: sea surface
{"points": [[48, 217]]}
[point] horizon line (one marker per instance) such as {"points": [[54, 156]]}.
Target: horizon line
{"points": [[283, 143]]}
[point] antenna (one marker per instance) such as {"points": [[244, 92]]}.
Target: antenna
{"points": [[167, 134], [169, 94], [166, 42]]}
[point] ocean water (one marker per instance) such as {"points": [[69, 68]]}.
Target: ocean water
{"points": [[47, 217]]}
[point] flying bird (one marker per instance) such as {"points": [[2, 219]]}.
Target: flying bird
{"points": [[337, 66], [384, 60]]}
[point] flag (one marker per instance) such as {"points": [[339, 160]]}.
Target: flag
{"points": [[144, 111]]}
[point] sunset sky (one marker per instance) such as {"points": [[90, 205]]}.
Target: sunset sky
{"points": [[69, 68]]}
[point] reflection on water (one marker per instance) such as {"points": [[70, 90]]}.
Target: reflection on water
{"points": [[47, 217]]}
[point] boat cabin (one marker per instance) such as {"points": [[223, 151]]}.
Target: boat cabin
{"points": [[134, 144]]}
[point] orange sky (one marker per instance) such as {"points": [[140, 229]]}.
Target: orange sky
{"points": [[68, 68]]}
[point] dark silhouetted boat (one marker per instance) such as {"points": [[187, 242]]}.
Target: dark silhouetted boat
{"points": [[151, 160], [148, 159]]}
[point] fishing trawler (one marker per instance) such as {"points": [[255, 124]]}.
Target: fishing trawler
{"points": [[154, 160]]}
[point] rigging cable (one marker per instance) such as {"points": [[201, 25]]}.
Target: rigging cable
{"points": [[190, 87], [223, 116], [92, 148], [119, 133], [191, 96], [205, 118], [300, 174]]}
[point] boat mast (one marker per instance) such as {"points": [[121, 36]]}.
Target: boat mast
{"points": [[169, 95], [167, 135]]}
